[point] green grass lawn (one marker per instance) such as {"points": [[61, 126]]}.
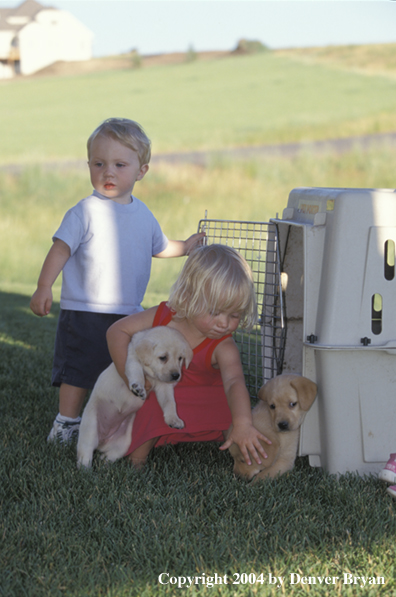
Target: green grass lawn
{"points": [[243, 100], [113, 531]]}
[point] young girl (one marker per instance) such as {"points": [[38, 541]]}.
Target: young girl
{"points": [[213, 295]]}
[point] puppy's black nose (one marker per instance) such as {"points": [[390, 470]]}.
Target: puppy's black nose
{"points": [[283, 426], [175, 376]]}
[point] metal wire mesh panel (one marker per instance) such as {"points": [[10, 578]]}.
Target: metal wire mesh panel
{"points": [[261, 348]]}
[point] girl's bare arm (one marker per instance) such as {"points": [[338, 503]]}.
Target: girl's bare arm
{"points": [[120, 333], [244, 434]]}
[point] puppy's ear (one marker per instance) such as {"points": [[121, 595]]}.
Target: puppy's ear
{"points": [[263, 393], [306, 391], [143, 347]]}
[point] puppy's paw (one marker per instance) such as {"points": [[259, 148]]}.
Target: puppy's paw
{"points": [[84, 463], [138, 390], [174, 422]]}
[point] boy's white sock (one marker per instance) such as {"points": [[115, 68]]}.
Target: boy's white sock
{"points": [[62, 419]]}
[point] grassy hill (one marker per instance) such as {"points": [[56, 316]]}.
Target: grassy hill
{"points": [[241, 100], [377, 59], [369, 58], [212, 103]]}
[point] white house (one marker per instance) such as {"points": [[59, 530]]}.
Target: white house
{"points": [[33, 36]]}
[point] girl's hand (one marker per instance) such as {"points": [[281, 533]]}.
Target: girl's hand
{"points": [[147, 386], [247, 438]]}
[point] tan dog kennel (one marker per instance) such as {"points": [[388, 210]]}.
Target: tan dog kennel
{"points": [[326, 290]]}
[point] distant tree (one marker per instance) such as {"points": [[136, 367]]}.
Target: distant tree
{"points": [[136, 59], [247, 46], [191, 54]]}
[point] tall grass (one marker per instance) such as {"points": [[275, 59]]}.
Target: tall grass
{"points": [[246, 100], [34, 202]]}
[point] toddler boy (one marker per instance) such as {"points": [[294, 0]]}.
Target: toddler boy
{"points": [[104, 247]]}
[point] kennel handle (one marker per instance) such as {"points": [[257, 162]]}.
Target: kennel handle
{"points": [[389, 347]]}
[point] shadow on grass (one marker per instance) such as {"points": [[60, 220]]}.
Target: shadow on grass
{"points": [[113, 531], [21, 326], [26, 349]]}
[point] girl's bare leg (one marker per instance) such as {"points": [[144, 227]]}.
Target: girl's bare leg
{"points": [[139, 456]]}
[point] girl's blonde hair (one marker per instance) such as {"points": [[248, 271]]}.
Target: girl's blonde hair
{"points": [[215, 278], [128, 133]]}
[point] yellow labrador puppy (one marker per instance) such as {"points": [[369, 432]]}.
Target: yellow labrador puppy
{"points": [[157, 354], [284, 402]]}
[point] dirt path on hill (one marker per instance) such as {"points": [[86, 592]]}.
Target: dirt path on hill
{"points": [[205, 158], [288, 150]]}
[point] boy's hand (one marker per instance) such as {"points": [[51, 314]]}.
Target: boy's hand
{"points": [[58, 255], [247, 438], [41, 301], [180, 248], [194, 241]]}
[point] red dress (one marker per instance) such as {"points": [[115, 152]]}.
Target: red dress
{"points": [[200, 400]]}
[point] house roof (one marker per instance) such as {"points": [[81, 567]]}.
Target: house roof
{"points": [[13, 19]]}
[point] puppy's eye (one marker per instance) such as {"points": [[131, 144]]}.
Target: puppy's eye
{"points": [[163, 359], [180, 358], [293, 404], [272, 406]]}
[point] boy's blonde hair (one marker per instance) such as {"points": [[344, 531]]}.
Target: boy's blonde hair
{"points": [[215, 278], [128, 133]]}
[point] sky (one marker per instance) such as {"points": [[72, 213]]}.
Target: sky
{"points": [[158, 26]]}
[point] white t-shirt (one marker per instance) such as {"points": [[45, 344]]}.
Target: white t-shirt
{"points": [[111, 249]]}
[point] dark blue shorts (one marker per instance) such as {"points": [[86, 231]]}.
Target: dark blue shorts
{"points": [[81, 352]]}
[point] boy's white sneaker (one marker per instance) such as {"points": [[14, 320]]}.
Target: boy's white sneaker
{"points": [[64, 429]]}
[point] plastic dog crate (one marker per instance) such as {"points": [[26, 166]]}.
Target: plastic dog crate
{"points": [[326, 286], [338, 248]]}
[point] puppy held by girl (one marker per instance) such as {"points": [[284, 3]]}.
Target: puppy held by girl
{"points": [[155, 357], [213, 295]]}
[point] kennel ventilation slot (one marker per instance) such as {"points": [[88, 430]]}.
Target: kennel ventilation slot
{"points": [[262, 348]]}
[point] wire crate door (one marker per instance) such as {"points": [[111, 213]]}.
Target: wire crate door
{"points": [[262, 347]]}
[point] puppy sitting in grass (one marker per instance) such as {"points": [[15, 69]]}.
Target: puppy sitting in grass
{"points": [[157, 354], [284, 402]]}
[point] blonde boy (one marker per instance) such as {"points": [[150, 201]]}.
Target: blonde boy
{"points": [[103, 248]]}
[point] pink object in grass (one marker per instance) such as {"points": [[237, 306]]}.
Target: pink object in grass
{"points": [[388, 474], [392, 490]]}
